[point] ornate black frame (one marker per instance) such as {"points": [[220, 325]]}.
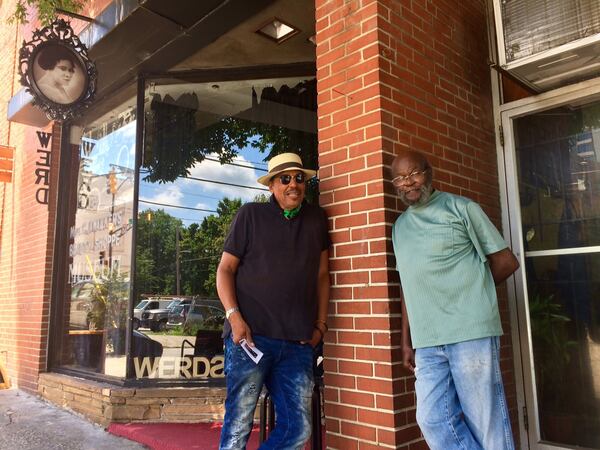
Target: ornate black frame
{"points": [[58, 33]]}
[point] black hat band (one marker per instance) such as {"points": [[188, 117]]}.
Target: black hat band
{"points": [[286, 165]]}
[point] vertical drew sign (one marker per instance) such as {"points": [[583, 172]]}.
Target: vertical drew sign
{"points": [[42, 170]]}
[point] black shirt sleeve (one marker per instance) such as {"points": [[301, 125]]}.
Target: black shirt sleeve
{"points": [[236, 241]]}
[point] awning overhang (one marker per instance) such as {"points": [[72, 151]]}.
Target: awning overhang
{"points": [[151, 36]]}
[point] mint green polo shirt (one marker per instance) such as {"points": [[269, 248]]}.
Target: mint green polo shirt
{"points": [[441, 250]]}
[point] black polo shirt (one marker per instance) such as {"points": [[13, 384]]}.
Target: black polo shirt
{"points": [[276, 280]]}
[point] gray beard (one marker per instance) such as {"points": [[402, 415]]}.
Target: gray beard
{"points": [[426, 191]]}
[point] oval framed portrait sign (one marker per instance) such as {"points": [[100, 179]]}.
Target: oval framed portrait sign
{"points": [[56, 70]]}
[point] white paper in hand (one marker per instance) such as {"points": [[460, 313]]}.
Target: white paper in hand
{"points": [[254, 353]]}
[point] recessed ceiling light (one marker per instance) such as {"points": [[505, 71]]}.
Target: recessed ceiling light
{"points": [[278, 30]]}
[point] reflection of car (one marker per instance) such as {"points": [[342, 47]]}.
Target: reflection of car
{"points": [[204, 313], [141, 311], [178, 301], [156, 319], [177, 315]]}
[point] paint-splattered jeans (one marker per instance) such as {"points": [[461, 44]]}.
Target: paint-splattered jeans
{"points": [[286, 370], [460, 396]]}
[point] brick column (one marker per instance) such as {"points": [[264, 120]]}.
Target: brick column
{"points": [[391, 74], [369, 401]]}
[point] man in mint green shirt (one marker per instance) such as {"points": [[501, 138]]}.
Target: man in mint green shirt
{"points": [[450, 257]]}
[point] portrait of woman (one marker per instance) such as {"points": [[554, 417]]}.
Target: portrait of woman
{"points": [[58, 74]]}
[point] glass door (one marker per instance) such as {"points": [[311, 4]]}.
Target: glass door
{"points": [[552, 157]]}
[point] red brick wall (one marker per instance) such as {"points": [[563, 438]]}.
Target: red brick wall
{"points": [[23, 235], [392, 74], [26, 226], [26, 265], [25, 259]]}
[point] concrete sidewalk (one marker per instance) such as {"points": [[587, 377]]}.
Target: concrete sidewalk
{"points": [[28, 423]]}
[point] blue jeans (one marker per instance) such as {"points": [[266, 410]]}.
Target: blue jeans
{"points": [[460, 396], [286, 370]]}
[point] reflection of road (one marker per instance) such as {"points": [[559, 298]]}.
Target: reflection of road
{"points": [[115, 366], [172, 344]]}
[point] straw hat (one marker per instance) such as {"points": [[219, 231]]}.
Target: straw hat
{"points": [[283, 163]]}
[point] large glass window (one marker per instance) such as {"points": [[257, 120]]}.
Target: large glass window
{"points": [[100, 246], [205, 146]]}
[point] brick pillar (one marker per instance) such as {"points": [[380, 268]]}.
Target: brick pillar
{"points": [[391, 74], [369, 400]]}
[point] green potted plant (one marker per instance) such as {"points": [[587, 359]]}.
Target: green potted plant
{"points": [[109, 301]]}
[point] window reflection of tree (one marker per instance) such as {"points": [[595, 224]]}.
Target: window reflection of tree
{"points": [[156, 255], [179, 134]]}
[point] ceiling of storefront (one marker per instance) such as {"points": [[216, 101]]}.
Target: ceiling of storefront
{"points": [[242, 46], [217, 33], [239, 47]]}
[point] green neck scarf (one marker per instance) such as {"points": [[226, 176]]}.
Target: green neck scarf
{"points": [[291, 213]]}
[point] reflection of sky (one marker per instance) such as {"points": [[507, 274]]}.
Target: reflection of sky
{"points": [[116, 148], [188, 193]]}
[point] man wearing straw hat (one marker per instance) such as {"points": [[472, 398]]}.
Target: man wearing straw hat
{"points": [[273, 281]]}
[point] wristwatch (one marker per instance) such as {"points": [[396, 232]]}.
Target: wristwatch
{"points": [[230, 311]]}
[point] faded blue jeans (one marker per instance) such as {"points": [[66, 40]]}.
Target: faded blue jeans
{"points": [[286, 369], [460, 396]]}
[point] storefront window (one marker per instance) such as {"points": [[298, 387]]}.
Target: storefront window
{"points": [[100, 244], [205, 146]]}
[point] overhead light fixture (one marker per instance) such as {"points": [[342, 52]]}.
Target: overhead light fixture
{"points": [[278, 30]]}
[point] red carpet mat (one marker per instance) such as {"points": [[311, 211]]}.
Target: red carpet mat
{"points": [[176, 436], [182, 436]]}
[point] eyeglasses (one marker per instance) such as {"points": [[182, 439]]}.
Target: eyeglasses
{"points": [[286, 178], [401, 179]]}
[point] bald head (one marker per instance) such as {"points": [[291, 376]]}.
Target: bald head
{"points": [[412, 176], [413, 158]]}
